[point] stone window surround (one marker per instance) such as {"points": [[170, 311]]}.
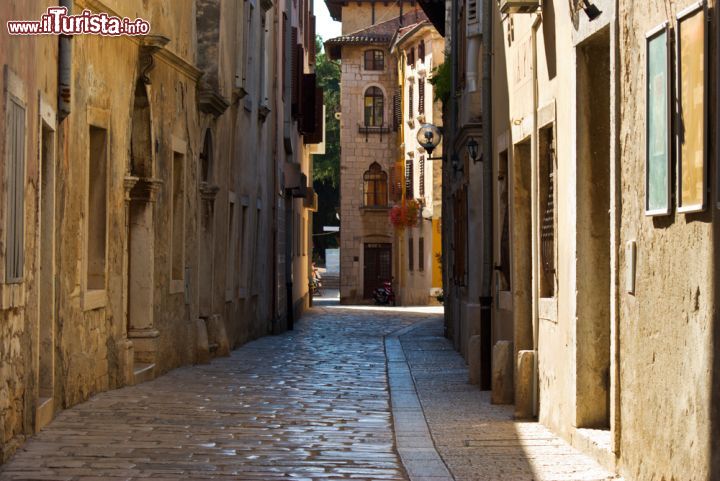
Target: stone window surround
{"points": [[95, 298], [12, 295]]}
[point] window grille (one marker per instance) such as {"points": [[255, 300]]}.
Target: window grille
{"points": [[15, 141], [547, 232]]}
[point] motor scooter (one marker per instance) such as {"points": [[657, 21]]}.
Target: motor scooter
{"points": [[384, 295]]}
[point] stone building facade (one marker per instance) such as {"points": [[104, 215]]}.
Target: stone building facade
{"points": [[370, 180], [601, 316], [135, 238]]}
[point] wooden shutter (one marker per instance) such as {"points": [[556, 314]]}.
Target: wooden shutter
{"points": [[396, 177], [410, 102], [311, 45], [421, 96], [294, 84], [421, 186], [409, 174], [307, 120], [316, 136], [15, 137], [284, 53], [397, 109], [411, 254]]}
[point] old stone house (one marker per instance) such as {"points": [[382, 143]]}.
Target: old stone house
{"points": [[370, 177], [143, 197], [598, 306]]}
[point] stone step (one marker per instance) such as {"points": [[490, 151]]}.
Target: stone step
{"points": [[143, 372]]}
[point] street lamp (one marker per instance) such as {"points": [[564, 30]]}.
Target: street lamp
{"points": [[429, 137], [472, 147]]}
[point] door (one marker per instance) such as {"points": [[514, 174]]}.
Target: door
{"points": [[377, 267]]}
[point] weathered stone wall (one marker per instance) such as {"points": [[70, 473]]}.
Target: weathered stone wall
{"points": [[34, 77], [98, 341]]}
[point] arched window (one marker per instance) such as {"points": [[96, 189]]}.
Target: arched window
{"points": [[375, 186], [374, 60], [374, 104]]}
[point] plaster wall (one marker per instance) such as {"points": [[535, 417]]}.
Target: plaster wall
{"points": [[667, 373]]}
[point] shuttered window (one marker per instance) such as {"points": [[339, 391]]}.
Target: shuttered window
{"points": [[397, 112], [421, 254], [421, 51], [15, 148], [421, 96], [410, 101], [409, 179], [421, 185], [411, 255]]}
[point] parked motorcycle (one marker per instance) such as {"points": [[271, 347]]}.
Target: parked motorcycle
{"points": [[384, 295]]}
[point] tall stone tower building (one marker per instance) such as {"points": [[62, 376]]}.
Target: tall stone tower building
{"points": [[370, 104]]}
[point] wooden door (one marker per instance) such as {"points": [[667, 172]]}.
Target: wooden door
{"points": [[377, 267]]}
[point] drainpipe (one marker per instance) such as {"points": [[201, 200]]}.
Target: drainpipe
{"points": [[536, 251], [65, 68], [450, 294], [487, 270]]}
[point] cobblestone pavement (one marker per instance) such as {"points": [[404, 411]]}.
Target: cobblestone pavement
{"points": [[479, 441], [312, 404], [307, 405]]}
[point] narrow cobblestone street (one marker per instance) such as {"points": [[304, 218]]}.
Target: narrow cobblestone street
{"points": [[312, 404]]}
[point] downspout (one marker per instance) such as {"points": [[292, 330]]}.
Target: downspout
{"points": [[534, 195], [486, 271], [487, 163], [65, 68], [448, 212]]}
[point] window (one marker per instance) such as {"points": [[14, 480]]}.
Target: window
{"points": [[178, 217], [409, 179], [411, 255], [15, 148], [410, 101], [421, 186], [547, 212], [421, 96], [374, 104], [459, 241], [245, 67], [375, 186], [421, 51], [421, 254], [97, 210], [374, 60], [411, 57]]}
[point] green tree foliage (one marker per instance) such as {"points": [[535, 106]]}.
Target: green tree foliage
{"points": [[440, 81], [326, 168]]}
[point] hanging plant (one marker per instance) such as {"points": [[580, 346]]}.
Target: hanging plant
{"points": [[405, 214]]}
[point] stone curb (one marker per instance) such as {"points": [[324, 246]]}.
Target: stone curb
{"points": [[412, 434]]}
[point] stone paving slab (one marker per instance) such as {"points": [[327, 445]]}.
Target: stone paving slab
{"points": [[479, 441], [312, 404]]}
